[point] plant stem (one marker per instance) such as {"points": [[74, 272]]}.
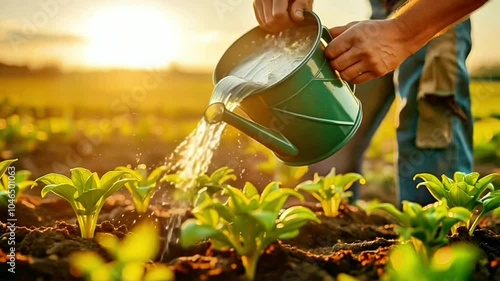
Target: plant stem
{"points": [[87, 225], [141, 206], [474, 225], [250, 262], [327, 209]]}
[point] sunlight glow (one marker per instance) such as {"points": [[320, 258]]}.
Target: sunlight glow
{"points": [[131, 37]]}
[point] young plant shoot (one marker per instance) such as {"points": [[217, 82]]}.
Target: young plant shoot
{"points": [[331, 190], [12, 183], [143, 189], [247, 221], [85, 192], [212, 183], [456, 262], [465, 190], [428, 225], [130, 257]]}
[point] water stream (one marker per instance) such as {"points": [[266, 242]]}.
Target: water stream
{"points": [[279, 55]]}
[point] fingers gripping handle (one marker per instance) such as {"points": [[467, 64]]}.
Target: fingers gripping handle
{"points": [[327, 36]]}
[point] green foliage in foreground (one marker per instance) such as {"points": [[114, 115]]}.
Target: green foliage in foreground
{"points": [[331, 190], [247, 221], [456, 262], [465, 190], [85, 192], [12, 182], [211, 183], [129, 257], [430, 224], [143, 189]]}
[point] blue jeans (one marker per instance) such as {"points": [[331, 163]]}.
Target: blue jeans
{"points": [[434, 132]]}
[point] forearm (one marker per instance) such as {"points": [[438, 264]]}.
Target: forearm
{"points": [[422, 20]]}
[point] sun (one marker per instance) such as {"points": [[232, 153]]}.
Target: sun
{"points": [[130, 37]]}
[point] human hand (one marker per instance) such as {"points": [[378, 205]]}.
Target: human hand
{"points": [[362, 51], [276, 15]]}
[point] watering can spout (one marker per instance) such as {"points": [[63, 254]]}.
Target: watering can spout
{"points": [[217, 112]]}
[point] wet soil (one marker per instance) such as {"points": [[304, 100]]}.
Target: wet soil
{"points": [[355, 243]]}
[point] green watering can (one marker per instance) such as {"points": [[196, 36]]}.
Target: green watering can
{"points": [[305, 117]]}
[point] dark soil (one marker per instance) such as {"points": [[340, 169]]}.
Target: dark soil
{"points": [[355, 243]]}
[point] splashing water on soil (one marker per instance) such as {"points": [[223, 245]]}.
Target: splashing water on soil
{"points": [[276, 57]]}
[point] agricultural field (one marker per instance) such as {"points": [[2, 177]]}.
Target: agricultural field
{"points": [[90, 154], [149, 113]]}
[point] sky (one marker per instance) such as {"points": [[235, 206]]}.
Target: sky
{"points": [[156, 33]]}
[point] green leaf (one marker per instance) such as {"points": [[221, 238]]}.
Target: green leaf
{"points": [[458, 197], [66, 191], [91, 183], [108, 241], [79, 176], [192, 232], [459, 213], [131, 172], [140, 245], [24, 185], [391, 210], [447, 182], [491, 201], [347, 180], [89, 199], [156, 174], [221, 209], [274, 201], [201, 198], [110, 178], [295, 217], [116, 186], [159, 272], [250, 190], [22, 176], [266, 219], [310, 186], [485, 182], [238, 199], [289, 235], [435, 189], [172, 178], [4, 165], [142, 191], [471, 178], [411, 209], [86, 261], [272, 186], [459, 176], [53, 178]]}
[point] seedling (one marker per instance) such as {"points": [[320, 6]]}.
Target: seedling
{"points": [[465, 190], [456, 262], [12, 183], [331, 190], [247, 221], [143, 189], [85, 192], [129, 257], [429, 224], [212, 183]]}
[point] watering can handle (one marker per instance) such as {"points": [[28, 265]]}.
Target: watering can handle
{"points": [[327, 36]]}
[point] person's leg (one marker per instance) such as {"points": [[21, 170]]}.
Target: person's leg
{"points": [[376, 98], [435, 123]]}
